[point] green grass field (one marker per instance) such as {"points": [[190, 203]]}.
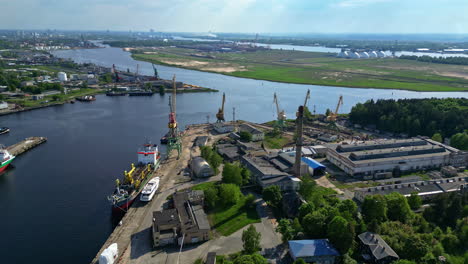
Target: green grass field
{"points": [[319, 68], [228, 220], [275, 142]]}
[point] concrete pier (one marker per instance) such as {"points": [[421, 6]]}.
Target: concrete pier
{"points": [[25, 145]]}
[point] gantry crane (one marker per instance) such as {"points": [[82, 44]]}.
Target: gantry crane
{"points": [[281, 116], [173, 140], [332, 117], [220, 114], [117, 78]]}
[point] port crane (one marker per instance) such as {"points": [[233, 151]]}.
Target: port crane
{"points": [[332, 117], [220, 114], [174, 141], [117, 78], [281, 116]]}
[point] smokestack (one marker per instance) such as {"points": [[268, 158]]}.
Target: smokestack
{"points": [[297, 163]]}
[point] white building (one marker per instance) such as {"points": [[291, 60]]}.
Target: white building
{"points": [[257, 135], [62, 76], [3, 105]]}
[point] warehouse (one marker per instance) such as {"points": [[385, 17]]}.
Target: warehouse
{"points": [[201, 168], [387, 158]]}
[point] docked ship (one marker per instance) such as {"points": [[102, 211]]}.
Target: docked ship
{"points": [[135, 180], [86, 98], [150, 189], [4, 130], [5, 158]]}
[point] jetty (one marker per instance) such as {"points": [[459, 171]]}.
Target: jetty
{"points": [[25, 145]]}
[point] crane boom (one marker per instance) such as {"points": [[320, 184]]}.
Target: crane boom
{"points": [[307, 97], [275, 100], [222, 104], [220, 114], [340, 102]]}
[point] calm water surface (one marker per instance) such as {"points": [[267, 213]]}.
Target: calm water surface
{"points": [[54, 201]]}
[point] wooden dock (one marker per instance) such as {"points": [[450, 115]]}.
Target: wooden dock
{"points": [[25, 145]]}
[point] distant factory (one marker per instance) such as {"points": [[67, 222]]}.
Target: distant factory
{"points": [[352, 54]]}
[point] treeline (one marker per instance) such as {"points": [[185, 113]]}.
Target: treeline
{"points": [[442, 60], [414, 116], [152, 43], [441, 230]]}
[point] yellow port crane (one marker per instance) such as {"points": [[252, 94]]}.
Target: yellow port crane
{"points": [[307, 97], [332, 117], [220, 114], [281, 116]]}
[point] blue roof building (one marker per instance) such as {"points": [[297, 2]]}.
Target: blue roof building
{"points": [[317, 167], [319, 251]]}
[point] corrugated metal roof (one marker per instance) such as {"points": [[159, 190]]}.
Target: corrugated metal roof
{"points": [[313, 163], [314, 247]]}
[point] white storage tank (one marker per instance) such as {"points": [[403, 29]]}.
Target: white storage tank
{"points": [[62, 76], [373, 54], [381, 54], [354, 55], [364, 55]]}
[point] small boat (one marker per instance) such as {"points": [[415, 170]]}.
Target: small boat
{"points": [[149, 190], [4, 130], [86, 98], [72, 101], [164, 139]]}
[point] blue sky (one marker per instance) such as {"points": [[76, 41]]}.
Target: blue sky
{"points": [[294, 16]]}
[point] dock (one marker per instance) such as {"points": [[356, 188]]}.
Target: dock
{"points": [[25, 145]]}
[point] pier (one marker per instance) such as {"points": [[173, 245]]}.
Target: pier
{"points": [[25, 145]]}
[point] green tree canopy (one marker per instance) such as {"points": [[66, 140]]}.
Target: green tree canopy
{"points": [[251, 240], [232, 173], [272, 195], [414, 201], [398, 207], [437, 137], [341, 234], [285, 228], [374, 207], [229, 194], [245, 136]]}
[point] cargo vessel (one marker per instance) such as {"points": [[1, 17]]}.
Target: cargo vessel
{"points": [[6, 158], [4, 130], [134, 180]]}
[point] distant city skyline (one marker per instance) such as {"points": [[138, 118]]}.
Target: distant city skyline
{"points": [[250, 16]]}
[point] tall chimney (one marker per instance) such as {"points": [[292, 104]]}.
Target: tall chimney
{"points": [[297, 163]]}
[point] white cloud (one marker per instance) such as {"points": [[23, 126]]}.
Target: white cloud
{"points": [[357, 3]]}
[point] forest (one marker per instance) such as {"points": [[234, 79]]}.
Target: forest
{"points": [[441, 60], [425, 117]]}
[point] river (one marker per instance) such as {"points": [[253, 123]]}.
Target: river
{"points": [[54, 200]]}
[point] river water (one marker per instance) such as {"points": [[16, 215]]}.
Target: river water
{"points": [[54, 200]]}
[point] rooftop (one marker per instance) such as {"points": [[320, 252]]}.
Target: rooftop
{"points": [[379, 248], [314, 247]]}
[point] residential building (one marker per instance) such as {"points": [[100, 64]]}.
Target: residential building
{"points": [[229, 152], [375, 250], [36, 97], [222, 128], [318, 251], [425, 189], [257, 135], [201, 168], [185, 223], [386, 158]]}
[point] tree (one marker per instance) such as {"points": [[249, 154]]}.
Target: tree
{"points": [[215, 160], [285, 228], [84, 84], [162, 90], [272, 195], [206, 152], [245, 136], [245, 176], [437, 137], [250, 200], [306, 187], [232, 173], [305, 209], [348, 209], [398, 207], [314, 224], [415, 248], [346, 259], [211, 196], [341, 234], [300, 261], [251, 240], [374, 207], [414, 201], [148, 86], [229, 194], [296, 225], [459, 141]]}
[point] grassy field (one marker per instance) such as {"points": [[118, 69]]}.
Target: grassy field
{"points": [[228, 220], [319, 69], [275, 142]]}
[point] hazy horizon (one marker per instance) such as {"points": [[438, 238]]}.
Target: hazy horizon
{"points": [[248, 16]]}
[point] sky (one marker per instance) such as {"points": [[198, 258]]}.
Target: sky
{"points": [[252, 16]]}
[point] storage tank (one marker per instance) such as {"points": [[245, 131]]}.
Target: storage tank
{"points": [[354, 55], [373, 54], [381, 54], [364, 55], [62, 76]]}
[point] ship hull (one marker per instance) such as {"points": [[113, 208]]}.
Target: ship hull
{"points": [[5, 164]]}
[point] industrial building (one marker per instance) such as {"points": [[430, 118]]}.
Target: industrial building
{"points": [[425, 189], [387, 158], [62, 76], [257, 135], [185, 223]]}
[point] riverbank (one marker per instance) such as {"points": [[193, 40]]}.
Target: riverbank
{"points": [[47, 101], [317, 69]]}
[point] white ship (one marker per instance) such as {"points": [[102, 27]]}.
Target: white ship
{"points": [[149, 190]]}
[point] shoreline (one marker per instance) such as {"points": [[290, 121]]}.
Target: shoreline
{"points": [[301, 83]]}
